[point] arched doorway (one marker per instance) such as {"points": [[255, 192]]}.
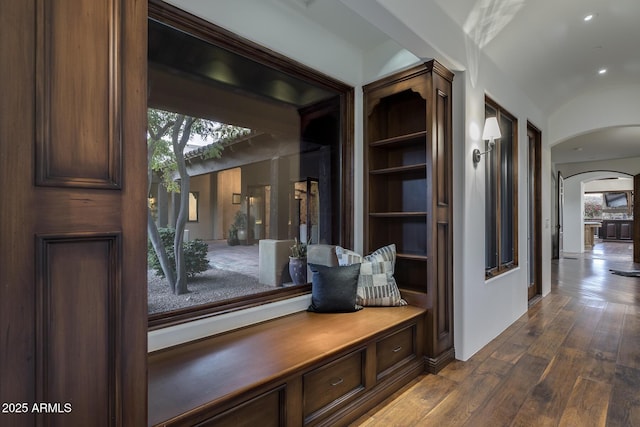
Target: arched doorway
{"points": [[598, 208]]}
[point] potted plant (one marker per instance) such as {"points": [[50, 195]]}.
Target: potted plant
{"points": [[232, 239], [240, 223], [298, 262]]}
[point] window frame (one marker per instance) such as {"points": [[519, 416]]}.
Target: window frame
{"points": [[170, 15], [496, 198]]}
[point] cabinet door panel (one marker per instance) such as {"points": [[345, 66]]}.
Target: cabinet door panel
{"points": [[394, 349], [328, 385], [265, 410]]}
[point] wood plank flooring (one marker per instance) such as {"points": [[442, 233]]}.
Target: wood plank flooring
{"points": [[572, 360]]}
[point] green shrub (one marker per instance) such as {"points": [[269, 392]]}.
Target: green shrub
{"points": [[195, 254]]}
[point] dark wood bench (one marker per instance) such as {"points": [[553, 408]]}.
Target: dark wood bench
{"points": [[305, 368]]}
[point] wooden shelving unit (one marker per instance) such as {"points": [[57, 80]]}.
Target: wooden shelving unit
{"points": [[408, 191]]}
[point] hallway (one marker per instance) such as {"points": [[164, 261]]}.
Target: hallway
{"points": [[572, 360]]}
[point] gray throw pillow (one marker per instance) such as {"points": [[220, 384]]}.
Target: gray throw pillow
{"points": [[333, 289]]}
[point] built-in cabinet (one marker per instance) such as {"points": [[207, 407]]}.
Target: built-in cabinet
{"points": [[616, 229], [408, 174], [303, 369]]}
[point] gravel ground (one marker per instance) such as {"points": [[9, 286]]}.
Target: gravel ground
{"points": [[212, 285]]}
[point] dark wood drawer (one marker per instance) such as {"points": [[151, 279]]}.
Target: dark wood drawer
{"points": [[394, 349], [266, 410], [332, 384]]}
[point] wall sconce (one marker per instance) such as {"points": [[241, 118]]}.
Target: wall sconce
{"points": [[491, 132]]}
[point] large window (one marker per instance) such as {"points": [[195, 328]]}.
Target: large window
{"points": [[281, 180], [501, 190]]}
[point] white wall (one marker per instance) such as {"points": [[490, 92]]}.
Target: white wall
{"points": [[600, 185], [629, 166], [573, 218]]}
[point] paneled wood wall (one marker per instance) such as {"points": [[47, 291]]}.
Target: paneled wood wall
{"points": [[72, 233]]}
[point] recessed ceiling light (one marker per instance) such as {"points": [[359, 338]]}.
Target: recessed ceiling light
{"points": [[602, 71], [588, 18]]}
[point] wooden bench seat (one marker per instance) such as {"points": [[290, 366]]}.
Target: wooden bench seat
{"points": [[199, 380]]}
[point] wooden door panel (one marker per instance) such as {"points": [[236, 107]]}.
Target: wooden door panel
{"points": [[442, 145], [73, 308], [78, 93], [78, 290]]}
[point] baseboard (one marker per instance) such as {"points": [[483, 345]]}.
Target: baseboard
{"points": [[435, 364]]}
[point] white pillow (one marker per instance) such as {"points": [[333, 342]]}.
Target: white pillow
{"points": [[376, 284]]}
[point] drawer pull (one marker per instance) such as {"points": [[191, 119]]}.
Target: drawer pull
{"points": [[336, 381], [397, 349]]}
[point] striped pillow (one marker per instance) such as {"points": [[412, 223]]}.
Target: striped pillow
{"points": [[376, 284]]}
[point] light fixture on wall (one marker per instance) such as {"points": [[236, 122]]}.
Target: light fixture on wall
{"points": [[491, 132]]}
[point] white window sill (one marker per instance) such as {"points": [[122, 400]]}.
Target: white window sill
{"points": [[197, 329]]}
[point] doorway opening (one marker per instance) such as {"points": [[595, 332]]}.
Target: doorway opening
{"points": [[598, 216]]}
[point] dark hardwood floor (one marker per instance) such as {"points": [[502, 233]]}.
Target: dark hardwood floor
{"points": [[572, 360]]}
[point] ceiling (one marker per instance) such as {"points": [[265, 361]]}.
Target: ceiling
{"points": [[552, 53]]}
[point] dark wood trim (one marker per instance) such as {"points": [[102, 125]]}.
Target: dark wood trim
{"points": [[211, 33], [214, 34], [598, 170], [433, 365], [348, 153], [559, 215], [535, 138], [503, 268], [636, 218]]}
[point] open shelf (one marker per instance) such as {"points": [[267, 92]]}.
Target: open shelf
{"points": [[396, 214], [412, 138], [408, 189], [400, 169]]}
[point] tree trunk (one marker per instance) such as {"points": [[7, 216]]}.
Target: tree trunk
{"points": [[181, 273], [154, 236], [161, 252], [178, 149]]}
